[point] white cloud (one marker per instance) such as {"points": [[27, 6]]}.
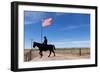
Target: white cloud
{"points": [[32, 17], [28, 22], [59, 14], [74, 27]]}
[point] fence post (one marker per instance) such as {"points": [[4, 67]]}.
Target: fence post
{"points": [[79, 51], [30, 54]]}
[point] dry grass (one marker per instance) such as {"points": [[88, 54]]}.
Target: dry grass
{"points": [[74, 51]]}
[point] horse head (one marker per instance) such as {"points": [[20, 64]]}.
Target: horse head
{"points": [[34, 44]]}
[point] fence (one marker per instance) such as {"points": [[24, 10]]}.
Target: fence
{"points": [[28, 56]]}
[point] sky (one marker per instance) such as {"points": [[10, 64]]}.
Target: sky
{"points": [[67, 30]]}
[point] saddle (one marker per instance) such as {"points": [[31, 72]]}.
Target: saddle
{"points": [[45, 47]]}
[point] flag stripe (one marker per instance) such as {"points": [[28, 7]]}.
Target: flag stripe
{"points": [[47, 22]]}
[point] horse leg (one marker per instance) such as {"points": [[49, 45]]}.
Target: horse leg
{"points": [[49, 54], [53, 52], [41, 54]]}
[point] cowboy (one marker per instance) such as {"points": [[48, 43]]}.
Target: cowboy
{"points": [[45, 40]]}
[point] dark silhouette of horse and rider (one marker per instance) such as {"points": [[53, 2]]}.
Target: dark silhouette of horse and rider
{"points": [[44, 47]]}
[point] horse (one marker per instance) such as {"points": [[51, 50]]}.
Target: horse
{"points": [[43, 47]]}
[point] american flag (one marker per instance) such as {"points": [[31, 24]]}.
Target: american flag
{"points": [[47, 22]]}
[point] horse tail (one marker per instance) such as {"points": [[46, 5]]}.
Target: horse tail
{"points": [[54, 47]]}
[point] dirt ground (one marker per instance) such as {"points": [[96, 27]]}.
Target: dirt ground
{"points": [[61, 55]]}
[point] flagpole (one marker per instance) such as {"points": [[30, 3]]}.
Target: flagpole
{"points": [[41, 33], [45, 23]]}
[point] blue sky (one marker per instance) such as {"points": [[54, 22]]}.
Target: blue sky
{"points": [[67, 30]]}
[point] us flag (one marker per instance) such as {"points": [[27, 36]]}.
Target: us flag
{"points": [[47, 22]]}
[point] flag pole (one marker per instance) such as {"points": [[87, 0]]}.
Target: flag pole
{"points": [[41, 33], [45, 23]]}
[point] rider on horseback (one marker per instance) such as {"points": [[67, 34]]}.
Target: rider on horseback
{"points": [[44, 47]]}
